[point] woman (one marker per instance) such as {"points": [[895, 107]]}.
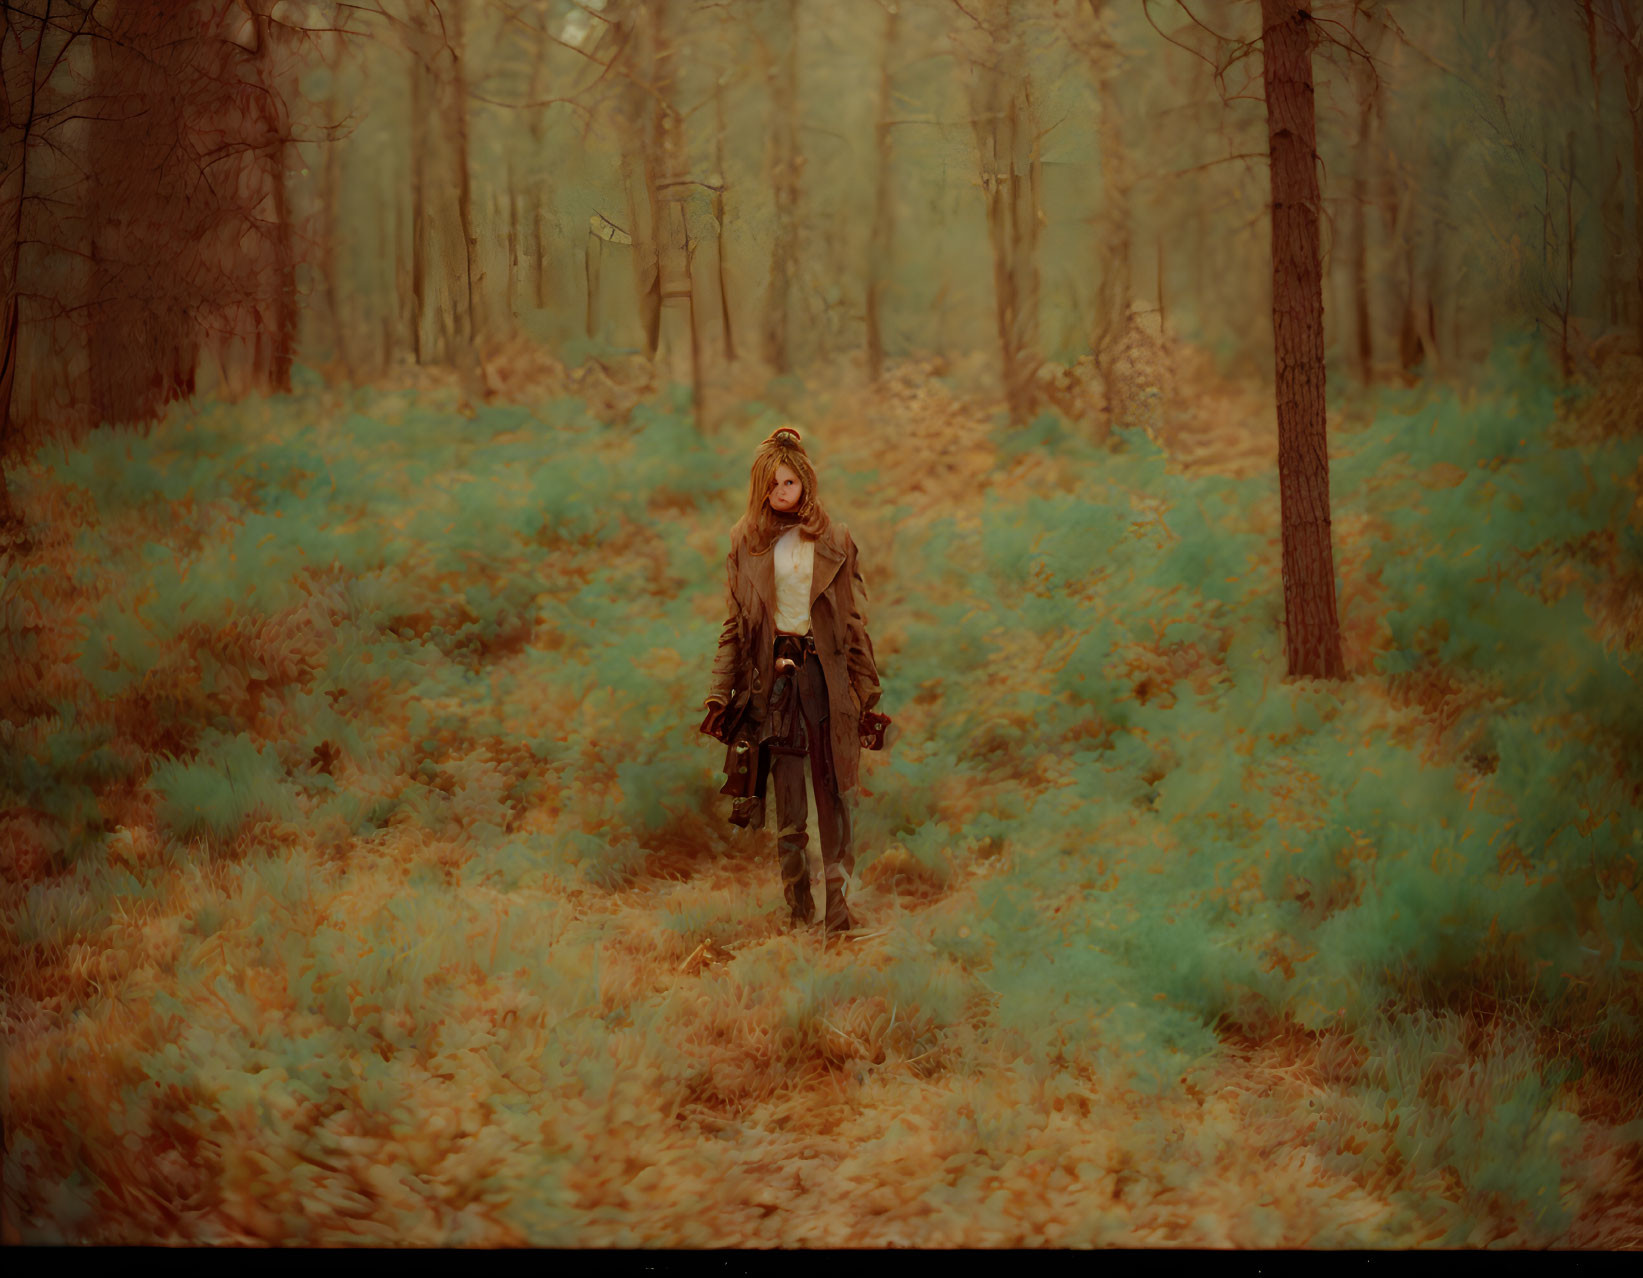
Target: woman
{"points": [[794, 675]]}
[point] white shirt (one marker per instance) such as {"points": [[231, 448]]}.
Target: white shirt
{"points": [[794, 559]]}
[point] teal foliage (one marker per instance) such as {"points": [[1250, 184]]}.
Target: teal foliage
{"points": [[670, 456], [1046, 434], [1147, 878], [63, 780], [55, 914], [235, 780], [1503, 1129]]}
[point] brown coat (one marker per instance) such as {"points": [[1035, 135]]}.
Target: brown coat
{"points": [[743, 664]]}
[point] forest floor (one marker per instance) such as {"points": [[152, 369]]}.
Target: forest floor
{"points": [[655, 1061]]}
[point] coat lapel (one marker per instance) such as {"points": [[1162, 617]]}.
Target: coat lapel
{"points": [[764, 578], [825, 568]]}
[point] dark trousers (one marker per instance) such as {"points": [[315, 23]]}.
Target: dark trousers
{"points": [[810, 728]]}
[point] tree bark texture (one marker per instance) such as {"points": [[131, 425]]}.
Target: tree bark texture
{"points": [[1312, 627]]}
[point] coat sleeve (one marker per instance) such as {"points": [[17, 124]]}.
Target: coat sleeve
{"points": [[859, 658], [727, 660]]}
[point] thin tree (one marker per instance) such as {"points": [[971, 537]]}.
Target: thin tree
{"points": [[1610, 206], [668, 187], [1370, 95], [786, 160], [1113, 248], [330, 197], [1624, 21], [880, 240], [275, 343], [720, 182], [442, 190], [1003, 120], [1312, 626]]}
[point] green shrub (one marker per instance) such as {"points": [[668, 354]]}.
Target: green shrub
{"points": [[231, 781]]}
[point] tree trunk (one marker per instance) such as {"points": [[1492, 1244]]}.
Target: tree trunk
{"points": [[404, 319], [273, 370], [1613, 231], [1364, 158], [1632, 57], [464, 275], [513, 246], [668, 187], [1635, 97], [1002, 119], [635, 37], [419, 215], [1114, 292], [13, 249], [1312, 627], [785, 163], [331, 221], [1566, 358], [879, 244], [538, 186], [143, 342], [727, 334], [1163, 309]]}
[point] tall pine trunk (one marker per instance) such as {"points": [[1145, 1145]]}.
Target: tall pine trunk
{"points": [[1312, 627]]}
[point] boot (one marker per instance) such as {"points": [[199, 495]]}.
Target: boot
{"points": [[839, 917], [796, 880]]}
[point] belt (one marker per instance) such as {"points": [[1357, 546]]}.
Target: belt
{"points": [[798, 649]]}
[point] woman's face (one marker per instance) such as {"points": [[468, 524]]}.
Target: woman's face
{"points": [[784, 490]]}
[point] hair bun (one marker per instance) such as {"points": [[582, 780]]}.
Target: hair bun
{"points": [[786, 435]]}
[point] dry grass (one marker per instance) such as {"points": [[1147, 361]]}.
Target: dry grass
{"points": [[874, 1124]]}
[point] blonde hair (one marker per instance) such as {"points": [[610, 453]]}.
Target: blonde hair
{"points": [[762, 525]]}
